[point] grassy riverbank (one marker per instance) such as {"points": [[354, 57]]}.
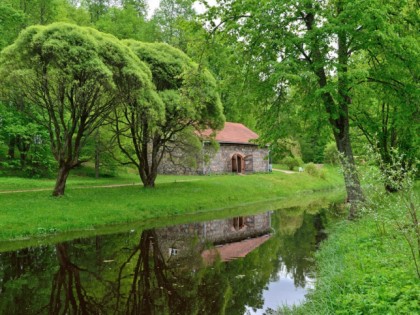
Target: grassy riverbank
{"points": [[367, 266], [29, 213]]}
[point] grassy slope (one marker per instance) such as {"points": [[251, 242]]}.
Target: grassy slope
{"points": [[365, 267], [34, 213]]}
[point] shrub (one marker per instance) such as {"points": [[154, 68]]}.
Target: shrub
{"points": [[312, 169], [331, 155], [290, 162]]}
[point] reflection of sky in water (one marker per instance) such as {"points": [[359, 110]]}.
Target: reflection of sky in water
{"points": [[281, 292]]}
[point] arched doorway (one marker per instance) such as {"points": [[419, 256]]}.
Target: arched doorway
{"points": [[238, 164]]}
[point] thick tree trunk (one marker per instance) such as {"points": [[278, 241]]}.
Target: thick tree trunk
{"points": [[338, 110], [60, 184], [148, 166], [351, 179], [342, 127], [148, 177]]}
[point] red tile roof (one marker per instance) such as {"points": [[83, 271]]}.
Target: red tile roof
{"points": [[235, 250], [233, 133]]}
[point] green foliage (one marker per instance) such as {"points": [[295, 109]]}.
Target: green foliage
{"points": [[362, 270], [314, 59], [331, 155], [312, 169], [41, 163], [372, 265], [385, 107], [169, 18], [126, 23], [37, 11], [291, 162], [187, 99], [27, 142], [396, 213], [315, 170], [72, 78], [12, 21]]}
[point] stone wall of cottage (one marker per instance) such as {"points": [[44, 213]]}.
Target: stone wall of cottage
{"points": [[256, 159], [219, 162]]}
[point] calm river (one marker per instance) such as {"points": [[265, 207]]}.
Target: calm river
{"points": [[241, 265]]}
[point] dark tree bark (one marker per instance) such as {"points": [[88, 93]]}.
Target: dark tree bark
{"points": [[11, 149], [23, 147], [66, 283], [97, 154], [60, 184]]}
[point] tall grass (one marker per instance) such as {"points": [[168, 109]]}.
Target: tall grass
{"points": [[366, 267]]}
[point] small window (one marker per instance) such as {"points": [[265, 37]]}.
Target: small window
{"points": [[173, 251]]}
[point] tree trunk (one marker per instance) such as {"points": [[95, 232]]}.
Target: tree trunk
{"points": [[351, 179], [23, 159], [97, 154], [97, 161], [60, 184], [147, 177], [11, 150], [148, 165]]}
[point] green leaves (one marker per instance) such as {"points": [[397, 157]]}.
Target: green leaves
{"points": [[11, 22], [73, 77], [187, 98]]}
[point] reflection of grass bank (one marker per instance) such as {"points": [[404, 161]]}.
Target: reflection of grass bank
{"points": [[292, 205], [367, 267], [36, 213]]}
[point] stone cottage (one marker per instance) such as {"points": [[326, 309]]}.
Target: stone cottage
{"points": [[237, 153]]}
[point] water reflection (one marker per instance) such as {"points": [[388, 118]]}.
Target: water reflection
{"points": [[230, 266]]}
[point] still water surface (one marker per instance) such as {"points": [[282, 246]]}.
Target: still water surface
{"points": [[241, 265]]}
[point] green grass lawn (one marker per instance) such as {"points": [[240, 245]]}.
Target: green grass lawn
{"points": [[33, 213]]}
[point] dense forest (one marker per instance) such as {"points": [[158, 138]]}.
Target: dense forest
{"points": [[321, 81]]}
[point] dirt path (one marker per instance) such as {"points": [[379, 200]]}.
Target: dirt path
{"points": [[284, 171], [83, 187], [77, 187]]}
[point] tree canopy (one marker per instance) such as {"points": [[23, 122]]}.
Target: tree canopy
{"points": [[190, 102], [71, 78], [313, 47]]}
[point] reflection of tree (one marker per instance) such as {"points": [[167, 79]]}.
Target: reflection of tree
{"points": [[68, 295], [17, 280], [130, 273], [155, 287], [297, 250]]}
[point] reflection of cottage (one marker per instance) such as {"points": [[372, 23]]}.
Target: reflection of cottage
{"points": [[238, 153], [238, 236]]}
